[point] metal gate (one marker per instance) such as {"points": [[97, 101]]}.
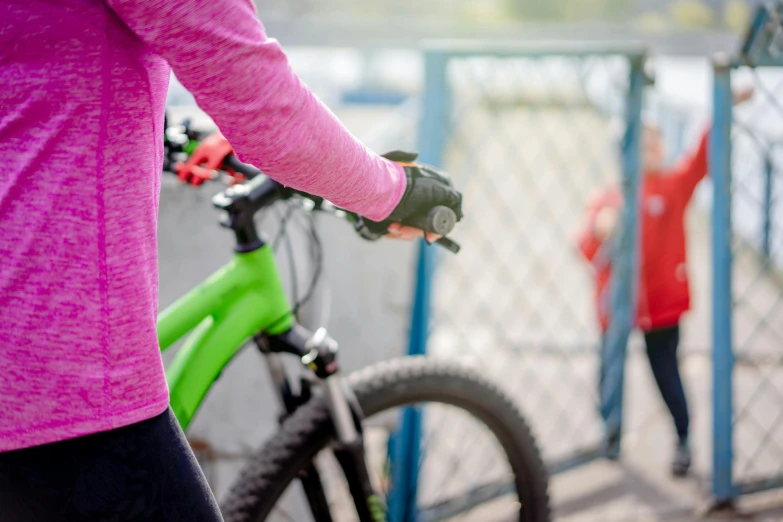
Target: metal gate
{"points": [[525, 134], [746, 158]]}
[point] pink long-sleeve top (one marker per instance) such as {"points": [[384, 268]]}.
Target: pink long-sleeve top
{"points": [[82, 91]]}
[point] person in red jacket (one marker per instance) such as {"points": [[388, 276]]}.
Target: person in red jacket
{"points": [[663, 294]]}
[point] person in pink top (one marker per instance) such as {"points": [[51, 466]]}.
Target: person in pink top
{"points": [[85, 429]]}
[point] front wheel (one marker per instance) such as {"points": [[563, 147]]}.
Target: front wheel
{"points": [[500, 477]]}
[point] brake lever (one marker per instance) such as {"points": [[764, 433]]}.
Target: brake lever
{"points": [[448, 244]]}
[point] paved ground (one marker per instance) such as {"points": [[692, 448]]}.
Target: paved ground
{"points": [[639, 490]]}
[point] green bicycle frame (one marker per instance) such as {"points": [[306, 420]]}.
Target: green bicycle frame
{"points": [[241, 299]]}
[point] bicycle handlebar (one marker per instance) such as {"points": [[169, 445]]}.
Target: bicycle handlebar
{"points": [[233, 163], [440, 220]]}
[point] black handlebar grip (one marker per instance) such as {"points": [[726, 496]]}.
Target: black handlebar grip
{"points": [[440, 220], [233, 163]]}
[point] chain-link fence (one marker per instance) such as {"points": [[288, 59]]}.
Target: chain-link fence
{"points": [[525, 134], [746, 162]]}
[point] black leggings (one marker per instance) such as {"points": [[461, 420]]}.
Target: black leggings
{"points": [[662, 353], [144, 472]]}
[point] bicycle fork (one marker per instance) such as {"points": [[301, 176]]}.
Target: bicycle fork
{"points": [[318, 352]]}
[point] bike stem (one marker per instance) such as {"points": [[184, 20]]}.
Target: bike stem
{"points": [[318, 352]]}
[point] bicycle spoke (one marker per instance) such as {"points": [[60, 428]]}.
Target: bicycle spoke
{"points": [[454, 471], [459, 505]]}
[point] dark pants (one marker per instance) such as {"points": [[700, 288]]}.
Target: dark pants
{"points": [[662, 353], [144, 472]]}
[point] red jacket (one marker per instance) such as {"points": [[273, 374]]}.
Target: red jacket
{"points": [[663, 284]]}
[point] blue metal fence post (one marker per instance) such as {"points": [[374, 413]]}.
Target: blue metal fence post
{"points": [[625, 264], [723, 358], [433, 132], [767, 219]]}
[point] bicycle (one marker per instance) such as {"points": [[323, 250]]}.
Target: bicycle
{"points": [[245, 301]]}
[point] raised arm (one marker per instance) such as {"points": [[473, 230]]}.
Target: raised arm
{"points": [[692, 169], [241, 78], [695, 166]]}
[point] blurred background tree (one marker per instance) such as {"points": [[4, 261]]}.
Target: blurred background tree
{"points": [[486, 11], [736, 15], [647, 15], [692, 13], [596, 9], [652, 21], [569, 10]]}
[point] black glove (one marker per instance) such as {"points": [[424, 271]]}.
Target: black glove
{"points": [[426, 189]]}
